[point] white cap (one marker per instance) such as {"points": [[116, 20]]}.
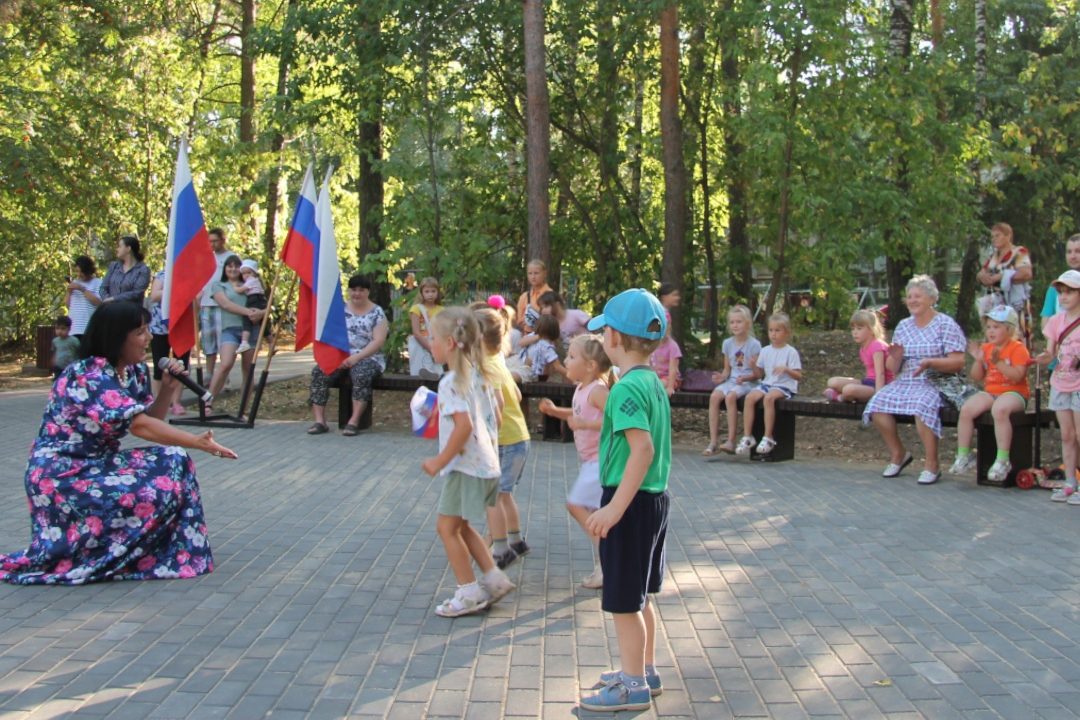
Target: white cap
{"points": [[250, 265]]}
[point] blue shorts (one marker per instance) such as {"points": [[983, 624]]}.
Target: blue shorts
{"points": [[230, 336], [766, 388], [512, 464]]}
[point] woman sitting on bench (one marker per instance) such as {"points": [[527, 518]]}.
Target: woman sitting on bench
{"points": [[928, 340]]}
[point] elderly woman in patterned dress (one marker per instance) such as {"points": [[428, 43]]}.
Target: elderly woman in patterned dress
{"points": [[928, 340]]}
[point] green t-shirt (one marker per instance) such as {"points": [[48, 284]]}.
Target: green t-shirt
{"points": [[228, 319], [637, 402]]}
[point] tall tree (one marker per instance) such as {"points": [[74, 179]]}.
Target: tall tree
{"points": [[538, 133], [673, 263], [899, 260], [283, 100]]}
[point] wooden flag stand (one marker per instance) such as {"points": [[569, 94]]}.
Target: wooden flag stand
{"points": [[242, 419]]}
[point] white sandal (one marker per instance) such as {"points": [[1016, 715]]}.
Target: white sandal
{"points": [[766, 446], [462, 603]]}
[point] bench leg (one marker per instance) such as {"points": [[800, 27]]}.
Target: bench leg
{"points": [[783, 434], [1020, 454], [557, 430]]}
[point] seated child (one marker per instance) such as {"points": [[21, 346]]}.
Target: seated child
{"points": [[867, 331], [540, 358], [782, 370], [421, 363], [256, 298], [1002, 364], [737, 379], [665, 361]]}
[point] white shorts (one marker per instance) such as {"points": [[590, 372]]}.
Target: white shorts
{"points": [[741, 390], [586, 490]]}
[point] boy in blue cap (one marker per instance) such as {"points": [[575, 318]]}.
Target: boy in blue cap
{"points": [[635, 458]]}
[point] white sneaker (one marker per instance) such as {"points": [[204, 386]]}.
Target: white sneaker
{"points": [[1062, 494], [594, 580], [765, 446], [1074, 499], [242, 348], [963, 464], [467, 599], [929, 478], [745, 446], [999, 470]]}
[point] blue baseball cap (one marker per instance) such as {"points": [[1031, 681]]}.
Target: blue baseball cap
{"points": [[632, 312]]}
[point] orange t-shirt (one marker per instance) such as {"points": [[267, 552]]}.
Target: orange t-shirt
{"points": [[1015, 354]]}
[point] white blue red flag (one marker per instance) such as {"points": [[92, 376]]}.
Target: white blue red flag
{"points": [[331, 332], [311, 250], [189, 259], [299, 253]]}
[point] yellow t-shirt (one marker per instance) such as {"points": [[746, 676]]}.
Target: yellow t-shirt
{"points": [[513, 429], [432, 312]]}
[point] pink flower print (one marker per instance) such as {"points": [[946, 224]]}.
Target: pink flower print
{"points": [[144, 510], [81, 485], [146, 494], [147, 563], [163, 483], [186, 571], [112, 398], [199, 564], [127, 500], [94, 525], [47, 486], [182, 557], [61, 385], [62, 567], [72, 534]]}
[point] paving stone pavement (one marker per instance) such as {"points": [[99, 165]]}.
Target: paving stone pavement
{"points": [[795, 590]]}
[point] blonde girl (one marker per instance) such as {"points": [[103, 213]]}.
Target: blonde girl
{"points": [[866, 330], [504, 519], [420, 315], [587, 365], [736, 380], [1002, 364], [468, 459], [781, 368], [528, 304]]}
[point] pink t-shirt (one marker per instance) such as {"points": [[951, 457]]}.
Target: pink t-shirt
{"points": [[1065, 377], [575, 323], [660, 360], [587, 442], [866, 354]]}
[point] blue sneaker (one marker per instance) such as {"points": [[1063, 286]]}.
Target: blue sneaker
{"points": [[653, 681], [616, 696]]}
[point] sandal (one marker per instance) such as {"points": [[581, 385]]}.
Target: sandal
{"points": [[318, 429], [466, 600], [709, 451], [350, 430], [727, 447]]}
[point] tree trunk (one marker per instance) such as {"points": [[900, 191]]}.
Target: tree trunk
{"points": [[940, 268], [740, 259], [369, 181], [635, 140], [785, 182], [608, 80], [675, 207], [277, 142], [965, 301], [899, 261], [538, 138], [247, 108]]}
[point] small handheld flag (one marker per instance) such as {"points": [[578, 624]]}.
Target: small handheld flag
{"points": [[425, 415]]}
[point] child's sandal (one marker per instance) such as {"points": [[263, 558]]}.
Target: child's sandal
{"points": [[709, 451]]}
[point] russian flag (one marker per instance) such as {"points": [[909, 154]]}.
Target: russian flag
{"points": [[189, 259], [299, 253], [331, 332]]}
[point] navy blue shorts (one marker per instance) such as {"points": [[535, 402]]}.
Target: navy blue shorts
{"points": [[632, 556]]}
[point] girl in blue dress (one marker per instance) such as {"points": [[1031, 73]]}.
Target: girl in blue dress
{"points": [[98, 512]]}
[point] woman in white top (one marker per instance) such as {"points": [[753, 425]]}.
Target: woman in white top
{"points": [[84, 294]]}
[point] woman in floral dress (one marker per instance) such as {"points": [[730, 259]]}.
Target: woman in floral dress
{"points": [[366, 325], [928, 340], [98, 512]]}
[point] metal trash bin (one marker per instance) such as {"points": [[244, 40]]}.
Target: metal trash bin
{"points": [[43, 346]]}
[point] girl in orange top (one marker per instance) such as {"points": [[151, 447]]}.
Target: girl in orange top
{"points": [[528, 305], [1002, 365]]}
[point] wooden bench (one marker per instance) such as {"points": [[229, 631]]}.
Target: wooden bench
{"points": [[561, 394]]}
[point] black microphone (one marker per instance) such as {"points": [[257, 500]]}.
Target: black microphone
{"points": [[168, 365]]}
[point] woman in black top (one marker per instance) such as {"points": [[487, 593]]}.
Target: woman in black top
{"points": [[128, 277]]}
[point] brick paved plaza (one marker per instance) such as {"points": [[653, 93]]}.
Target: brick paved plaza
{"points": [[796, 590]]}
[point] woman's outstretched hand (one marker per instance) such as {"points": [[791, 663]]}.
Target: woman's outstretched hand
{"points": [[207, 444]]}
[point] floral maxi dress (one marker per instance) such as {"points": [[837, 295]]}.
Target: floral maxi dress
{"points": [[98, 512]]}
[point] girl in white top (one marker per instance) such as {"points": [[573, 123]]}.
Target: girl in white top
{"points": [[740, 353], [470, 407], [781, 368], [588, 365]]}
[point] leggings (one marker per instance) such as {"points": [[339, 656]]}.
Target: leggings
{"points": [[362, 374]]}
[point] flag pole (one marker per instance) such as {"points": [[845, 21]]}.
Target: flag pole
{"points": [[250, 375], [275, 329]]}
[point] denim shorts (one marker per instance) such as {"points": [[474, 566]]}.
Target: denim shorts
{"points": [[230, 335], [512, 464], [1064, 400], [769, 388]]}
